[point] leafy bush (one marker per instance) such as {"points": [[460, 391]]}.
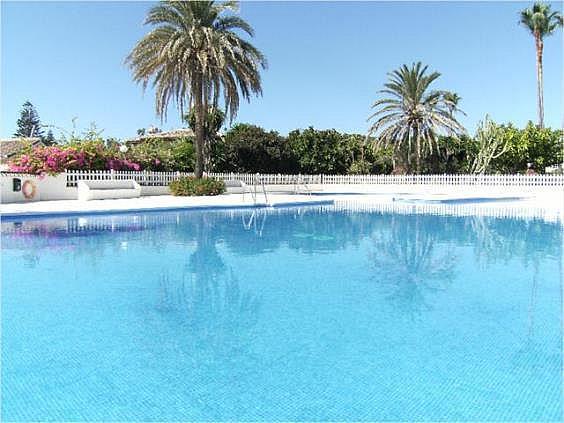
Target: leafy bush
{"points": [[164, 155], [360, 167], [320, 151], [542, 147], [191, 186], [250, 148]]}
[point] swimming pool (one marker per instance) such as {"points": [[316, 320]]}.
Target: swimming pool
{"points": [[308, 313]]}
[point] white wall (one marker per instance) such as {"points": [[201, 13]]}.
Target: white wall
{"points": [[47, 188], [8, 195], [53, 188], [145, 191]]}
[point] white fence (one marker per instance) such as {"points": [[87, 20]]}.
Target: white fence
{"points": [[146, 178], [64, 185]]}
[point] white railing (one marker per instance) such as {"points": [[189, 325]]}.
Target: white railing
{"points": [[143, 178], [499, 180], [148, 178]]}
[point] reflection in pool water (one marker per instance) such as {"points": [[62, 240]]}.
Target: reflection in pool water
{"points": [[295, 314]]}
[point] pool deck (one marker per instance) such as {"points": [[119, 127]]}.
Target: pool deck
{"points": [[160, 202], [547, 204]]}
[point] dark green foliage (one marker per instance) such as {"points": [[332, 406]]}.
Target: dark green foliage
{"points": [[29, 124], [49, 139], [250, 148], [360, 167], [451, 157], [382, 160], [191, 186], [542, 147], [164, 155], [214, 118], [320, 151]]}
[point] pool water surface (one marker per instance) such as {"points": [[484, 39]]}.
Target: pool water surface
{"points": [[292, 314]]}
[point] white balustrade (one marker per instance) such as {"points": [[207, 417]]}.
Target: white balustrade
{"points": [[149, 178]]}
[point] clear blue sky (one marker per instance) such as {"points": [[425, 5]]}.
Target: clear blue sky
{"points": [[326, 62]]}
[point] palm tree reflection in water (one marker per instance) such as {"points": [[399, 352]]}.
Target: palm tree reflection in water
{"points": [[215, 314], [407, 264]]}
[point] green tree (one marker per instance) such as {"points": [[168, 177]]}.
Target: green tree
{"points": [[29, 124], [541, 21], [164, 155], [49, 139], [451, 157], [412, 116], [541, 147], [250, 148], [320, 151], [194, 56]]}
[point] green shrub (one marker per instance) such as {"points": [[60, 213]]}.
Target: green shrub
{"points": [[542, 147], [191, 186], [360, 167], [164, 154]]}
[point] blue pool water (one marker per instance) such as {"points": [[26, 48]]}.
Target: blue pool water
{"points": [[288, 314]]}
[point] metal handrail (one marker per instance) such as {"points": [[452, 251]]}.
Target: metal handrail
{"points": [[299, 180], [259, 179]]}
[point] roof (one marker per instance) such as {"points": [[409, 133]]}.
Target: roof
{"points": [[11, 147], [175, 133]]}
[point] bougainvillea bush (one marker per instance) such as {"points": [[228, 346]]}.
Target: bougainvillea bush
{"points": [[88, 155]]}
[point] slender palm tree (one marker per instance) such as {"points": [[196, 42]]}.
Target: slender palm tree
{"points": [[194, 55], [412, 116], [451, 100], [541, 21]]}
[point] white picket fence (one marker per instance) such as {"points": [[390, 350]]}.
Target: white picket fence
{"points": [[144, 178], [147, 178]]}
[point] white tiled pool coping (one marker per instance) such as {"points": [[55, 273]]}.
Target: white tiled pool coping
{"points": [[546, 204], [161, 202]]}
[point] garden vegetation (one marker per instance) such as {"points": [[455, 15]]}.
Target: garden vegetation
{"points": [[198, 52], [192, 186]]}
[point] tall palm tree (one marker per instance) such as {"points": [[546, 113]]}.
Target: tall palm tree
{"points": [[194, 55], [413, 115], [541, 21]]}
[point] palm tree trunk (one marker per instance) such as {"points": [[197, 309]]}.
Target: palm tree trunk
{"points": [[540, 96], [418, 160], [199, 141]]}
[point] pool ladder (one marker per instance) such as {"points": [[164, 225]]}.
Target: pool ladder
{"points": [[299, 181], [259, 181]]}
